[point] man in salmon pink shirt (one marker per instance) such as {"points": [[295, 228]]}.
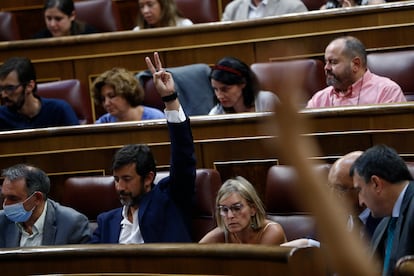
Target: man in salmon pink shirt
{"points": [[349, 80]]}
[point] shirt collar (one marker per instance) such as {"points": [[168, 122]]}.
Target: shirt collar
{"points": [[363, 216], [251, 6], [125, 220], [38, 225], [397, 205]]}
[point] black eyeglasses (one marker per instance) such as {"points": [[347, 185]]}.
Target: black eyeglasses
{"points": [[235, 209], [9, 88]]}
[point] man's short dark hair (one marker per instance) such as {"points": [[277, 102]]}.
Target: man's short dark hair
{"points": [[36, 179], [382, 161], [355, 48], [139, 154], [23, 67]]}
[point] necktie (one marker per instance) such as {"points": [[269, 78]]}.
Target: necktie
{"points": [[388, 245]]}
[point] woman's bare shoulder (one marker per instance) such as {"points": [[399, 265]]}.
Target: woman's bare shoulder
{"points": [[273, 233], [214, 236]]}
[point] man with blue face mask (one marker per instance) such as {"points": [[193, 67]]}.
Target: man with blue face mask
{"points": [[29, 218]]}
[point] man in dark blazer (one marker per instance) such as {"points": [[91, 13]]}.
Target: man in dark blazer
{"points": [[28, 218], [385, 186], [153, 213]]}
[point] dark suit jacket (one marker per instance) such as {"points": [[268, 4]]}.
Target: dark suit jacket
{"points": [[165, 212], [403, 243], [63, 225]]}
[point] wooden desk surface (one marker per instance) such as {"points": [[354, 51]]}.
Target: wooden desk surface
{"points": [[243, 136], [223, 259]]}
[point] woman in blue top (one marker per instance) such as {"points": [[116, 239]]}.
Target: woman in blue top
{"points": [[121, 95]]}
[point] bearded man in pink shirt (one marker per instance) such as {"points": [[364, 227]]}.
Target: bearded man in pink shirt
{"points": [[349, 80]]}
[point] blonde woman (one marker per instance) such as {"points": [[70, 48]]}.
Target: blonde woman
{"points": [[241, 217]]}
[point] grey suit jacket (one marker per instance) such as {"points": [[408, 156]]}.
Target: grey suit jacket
{"points": [[239, 9], [63, 225], [403, 243]]}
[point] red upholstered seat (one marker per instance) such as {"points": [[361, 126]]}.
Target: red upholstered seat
{"points": [[8, 26], [101, 14], [313, 4], [283, 204], [396, 65], [304, 76], [73, 92], [90, 195], [199, 11]]}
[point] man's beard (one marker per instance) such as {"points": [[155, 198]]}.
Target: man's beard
{"points": [[331, 79], [339, 82], [130, 200], [17, 105]]}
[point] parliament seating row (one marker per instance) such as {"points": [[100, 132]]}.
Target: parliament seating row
{"points": [[104, 15], [307, 76], [77, 193], [107, 16], [302, 77], [116, 15], [280, 200]]}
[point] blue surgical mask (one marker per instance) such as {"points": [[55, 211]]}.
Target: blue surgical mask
{"points": [[16, 212]]}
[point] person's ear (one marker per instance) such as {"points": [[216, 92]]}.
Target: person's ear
{"points": [[29, 87], [356, 64], [35, 199], [148, 180], [377, 183], [72, 16], [38, 196], [253, 210]]}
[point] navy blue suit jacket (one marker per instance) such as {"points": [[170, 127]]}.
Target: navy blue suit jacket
{"points": [[403, 243], [165, 212]]}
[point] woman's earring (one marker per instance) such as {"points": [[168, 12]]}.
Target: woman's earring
{"points": [[253, 225]]}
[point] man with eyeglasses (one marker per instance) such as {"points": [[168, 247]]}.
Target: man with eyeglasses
{"points": [[29, 218], [20, 107], [342, 187]]}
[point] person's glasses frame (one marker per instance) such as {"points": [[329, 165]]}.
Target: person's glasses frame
{"points": [[9, 89], [341, 190], [235, 209]]}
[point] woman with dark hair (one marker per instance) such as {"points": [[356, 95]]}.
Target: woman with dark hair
{"points": [[159, 13], [60, 19], [236, 89]]}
